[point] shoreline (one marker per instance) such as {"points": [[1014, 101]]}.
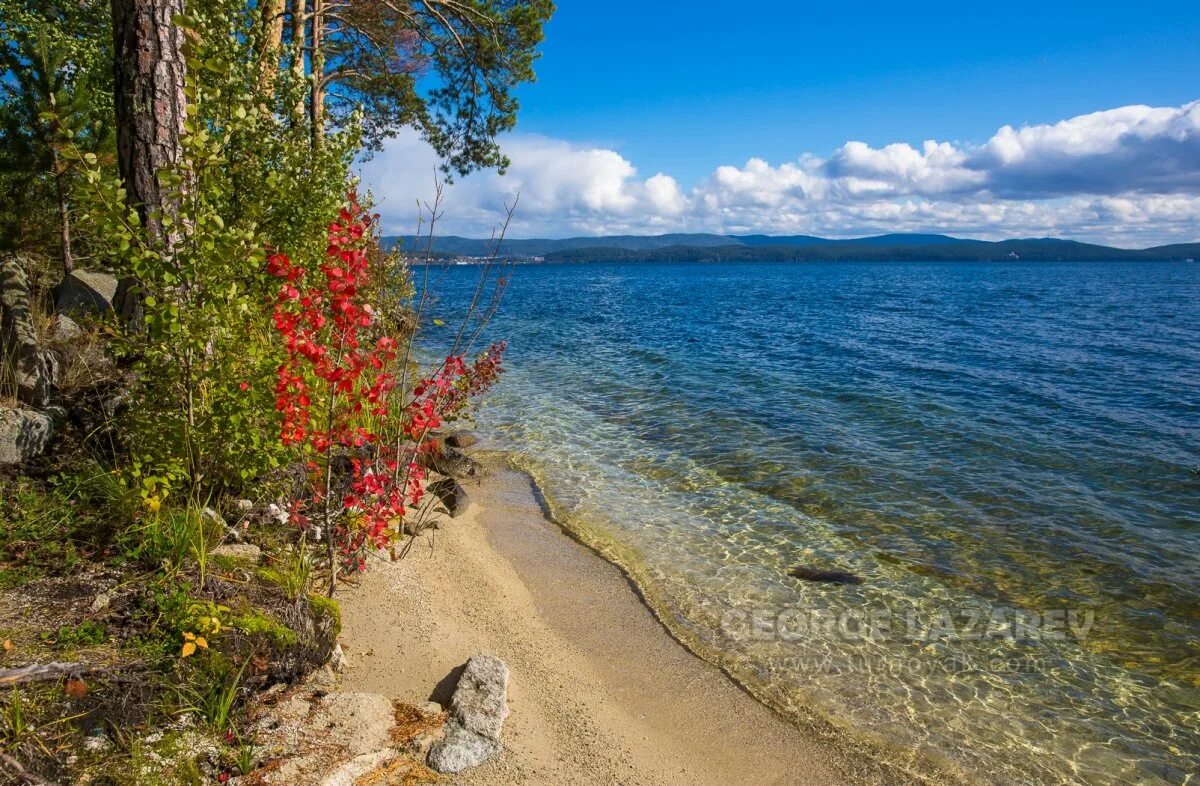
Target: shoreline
{"points": [[601, 690]]}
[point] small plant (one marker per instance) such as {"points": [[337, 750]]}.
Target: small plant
{"points": [[293, 575], [205, 624], [16, 726], [214, 699], [87, 634]]}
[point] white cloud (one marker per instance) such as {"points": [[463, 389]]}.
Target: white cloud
{"points": [[1128, 176]]}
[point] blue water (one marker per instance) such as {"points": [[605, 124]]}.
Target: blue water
{"points": [[973, 439]]}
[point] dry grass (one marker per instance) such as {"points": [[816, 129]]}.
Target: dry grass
{"points": [[412, 723], [401, 771]]}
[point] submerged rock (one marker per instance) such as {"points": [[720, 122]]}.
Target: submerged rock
{"points": [[461, 439], [827, 576], [477, 713]]}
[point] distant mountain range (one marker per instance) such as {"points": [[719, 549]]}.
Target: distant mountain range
{"points": [[768, 248]]}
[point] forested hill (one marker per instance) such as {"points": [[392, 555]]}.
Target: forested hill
{"points": [[766, 248]]}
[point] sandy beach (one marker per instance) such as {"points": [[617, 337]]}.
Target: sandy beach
{"points": [[599, 692]]}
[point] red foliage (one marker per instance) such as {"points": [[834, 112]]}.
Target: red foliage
{"points": [[335, 390]]}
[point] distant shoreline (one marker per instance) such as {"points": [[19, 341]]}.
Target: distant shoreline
{"points": [[762, 248]]}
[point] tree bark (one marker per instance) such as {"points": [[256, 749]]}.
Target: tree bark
{"points": [[64, 215], [299, 40], [270, 40], [316, 104], [150, 105]]}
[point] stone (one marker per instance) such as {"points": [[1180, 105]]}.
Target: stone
{"points": [[64, 330], [31, 368], [477, 712], [822, 575], [246, 553], [461, 439], [102, 602], [97, 741], [24, 434], [277, 514], [452, 462], [337, 659], [86, 291], [325, 738], [452, 495]]}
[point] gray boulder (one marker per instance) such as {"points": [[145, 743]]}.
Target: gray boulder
{"points": [[452, 495], [477, 712], [87, 291], [24, 434], [454, 463], [65, 330], [26, 364]]}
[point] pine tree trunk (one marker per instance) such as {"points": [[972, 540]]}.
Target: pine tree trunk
{"points": [[299, 39], [150, 104], [316, 104], [271, 38]]}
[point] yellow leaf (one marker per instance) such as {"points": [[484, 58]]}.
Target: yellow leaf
{"points": [[189, 636], [188, 649], [201, 643], [8, 645]]}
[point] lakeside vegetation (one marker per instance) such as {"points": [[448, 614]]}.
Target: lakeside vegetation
{"points": [[210, 398]]}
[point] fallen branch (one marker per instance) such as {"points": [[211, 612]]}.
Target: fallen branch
{"points": [[46, 671], [23, 775]]}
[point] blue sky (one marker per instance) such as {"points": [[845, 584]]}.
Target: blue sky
{"points": [[685, 87], [705, 116]]}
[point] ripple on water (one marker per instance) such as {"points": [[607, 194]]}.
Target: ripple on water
{"points": [[972, 439]]}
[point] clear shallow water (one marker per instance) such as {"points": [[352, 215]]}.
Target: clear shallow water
{"points": [[1008, 454]]}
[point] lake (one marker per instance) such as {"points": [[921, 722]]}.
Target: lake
{"points": [[1007, 455]]}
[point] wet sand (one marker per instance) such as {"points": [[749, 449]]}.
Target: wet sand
{"points": [[599, 692]]}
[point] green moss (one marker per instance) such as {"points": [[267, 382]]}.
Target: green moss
{"points": [[259, 623], [327, 608]]}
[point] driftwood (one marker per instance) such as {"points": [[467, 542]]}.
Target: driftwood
{"points": [[22, 775], [46, 671]]}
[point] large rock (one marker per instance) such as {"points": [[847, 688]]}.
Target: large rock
{"points": [[30, 367], [454, 463], [320, 739], [452, 495], [477, 713], [87, 291], [24, 434]]}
